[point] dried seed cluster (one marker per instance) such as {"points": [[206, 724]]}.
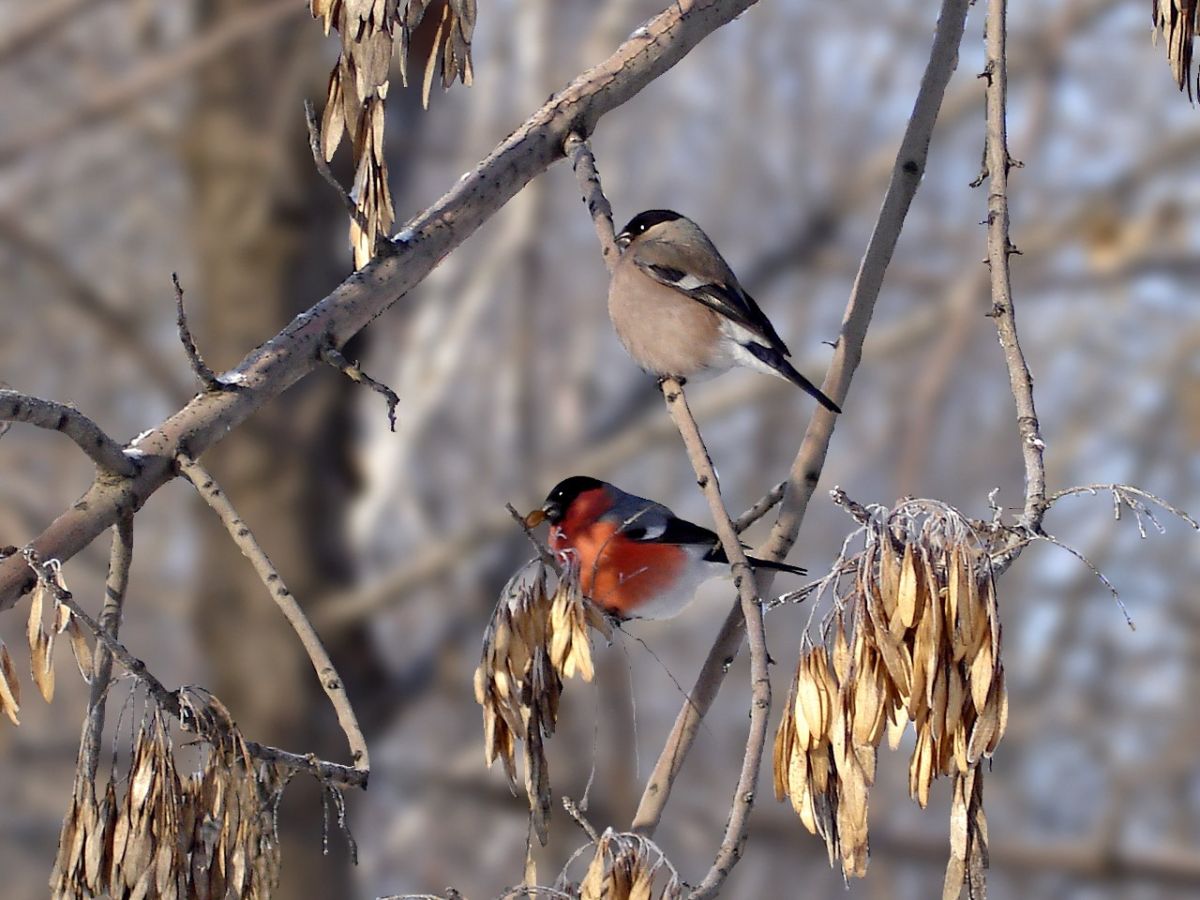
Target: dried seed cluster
{"points": [[625, 868], [207, 835], [915, 638], [1179, 21], [41, 650], [533, 641], [358, 86]]}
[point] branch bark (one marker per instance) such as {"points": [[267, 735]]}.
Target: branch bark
{"points": [[115, 585], [744, 580], [331, 682], [997, 164], [90, 438], [806, 469], [277, 364]]}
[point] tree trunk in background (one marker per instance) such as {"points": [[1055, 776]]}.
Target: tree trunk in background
{"points": [[269, 239]]}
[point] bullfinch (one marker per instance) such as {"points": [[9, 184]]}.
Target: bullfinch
{"points": [[680, 312], [636, 558]]}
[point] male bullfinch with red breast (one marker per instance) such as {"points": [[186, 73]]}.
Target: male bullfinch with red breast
{"points": [[680, 312], [636, 558]]}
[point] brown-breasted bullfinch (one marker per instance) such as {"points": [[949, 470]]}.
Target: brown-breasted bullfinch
{"points": [[636, 558], [680, 312]]}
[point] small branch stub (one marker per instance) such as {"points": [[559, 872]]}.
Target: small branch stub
{"points": [[332, 356], [206, 375]]}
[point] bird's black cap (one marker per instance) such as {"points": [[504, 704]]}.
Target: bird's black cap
{"points": [[563, 494], [648, 219]]}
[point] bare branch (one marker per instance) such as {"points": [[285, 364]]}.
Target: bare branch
{"points": [[331, 682], [331, 355], [100, 448], [120, 560], [730, 850], [806, 469], [1122, 493], [997, 163], [206, 375], [584, 164], [169, 700], [764, 505], [277, 364]]}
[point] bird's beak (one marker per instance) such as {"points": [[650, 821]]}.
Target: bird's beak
{"points": [[535, 518], [623, 239]]}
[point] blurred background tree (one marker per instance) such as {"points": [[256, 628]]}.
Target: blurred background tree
{"points": [[138, 139]]}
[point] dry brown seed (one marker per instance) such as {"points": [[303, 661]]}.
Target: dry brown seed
{"points": [[889, 574], [797, 777], [81, 649], [983, 669], [841, 650], [785, 740], [1003, 726], [807, 705], [10, 687], [908, 594], [819, 765]]}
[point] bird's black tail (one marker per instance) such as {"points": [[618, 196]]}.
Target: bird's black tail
{"points": [[777, 566], [717, 554], [779, 363]]}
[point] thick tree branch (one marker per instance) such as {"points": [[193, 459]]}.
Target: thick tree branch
{"points": [[331, 682], [276, 365], [997, 164], [103, 450], [806, 469]]}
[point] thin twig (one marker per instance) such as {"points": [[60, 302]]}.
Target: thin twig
{"points": [[115, 585], [1118, 491], [331, 682], [764, 505], [168, 700], [87, 435], [579, 152], [331, 355], [806, 468], [207, 376], [732, 842], [314, 143], [997, 163], [576, 813], [546, 556]]}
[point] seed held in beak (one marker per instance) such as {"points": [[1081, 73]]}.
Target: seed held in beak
{"points": [[535, 518]]}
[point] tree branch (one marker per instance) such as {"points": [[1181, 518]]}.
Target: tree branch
{"points": [[734, 838], [100, 448], [331, 682], [207, 377], [276, 365], [997, 164], [806, 469], [115, 585]]}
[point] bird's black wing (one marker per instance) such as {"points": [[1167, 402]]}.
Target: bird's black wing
{"points": [[672, 530], [681, 531], [729, 300]]}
